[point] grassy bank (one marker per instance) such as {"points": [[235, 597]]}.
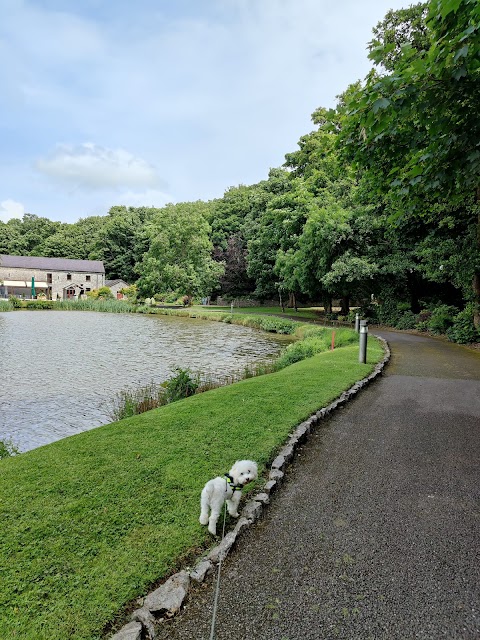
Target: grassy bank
{"points": [[92, 521]]}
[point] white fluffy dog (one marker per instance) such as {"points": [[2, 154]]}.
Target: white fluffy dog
{"points": [[229, 489]]}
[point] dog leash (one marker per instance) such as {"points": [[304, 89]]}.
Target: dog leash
{"points": [[217, 588]]}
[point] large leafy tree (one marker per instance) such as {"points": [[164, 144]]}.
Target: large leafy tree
{"points": [[75, 241], [414, 127], [179, 258], [276, 228], [26, 236], [122, 240]]}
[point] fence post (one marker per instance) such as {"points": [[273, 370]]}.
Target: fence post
{"points": [[362, 356]]}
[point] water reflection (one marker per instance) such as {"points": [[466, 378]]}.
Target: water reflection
{"points": [[60, 370]]}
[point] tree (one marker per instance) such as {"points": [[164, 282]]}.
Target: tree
{"points": [[234, 281], [179, 257], [122, 241], [399, 28], [415, 127], [25, 237], [75, 241], [277, 228]]}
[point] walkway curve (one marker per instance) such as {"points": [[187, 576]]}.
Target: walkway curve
{"points": [[375, 534]]}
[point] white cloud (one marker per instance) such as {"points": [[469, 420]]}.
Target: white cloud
{"points": [[91, 166], [148, 198], [11, 209]]}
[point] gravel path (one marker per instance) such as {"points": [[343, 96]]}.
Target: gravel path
{"points": [[376, 531]]}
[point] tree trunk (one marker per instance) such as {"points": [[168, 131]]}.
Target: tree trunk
{"points": [[476, 276], [345, 305], [413, 292], [281, 301], [327, 305], [476, 299]]}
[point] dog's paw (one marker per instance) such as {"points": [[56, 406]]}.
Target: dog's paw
{"points": [[203, 519], [213, 530], [235, 515]]}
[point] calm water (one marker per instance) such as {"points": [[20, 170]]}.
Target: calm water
{"points": [[59, 371]]}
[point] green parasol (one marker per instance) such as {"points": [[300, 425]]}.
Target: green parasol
{"points": [[33, 287]]}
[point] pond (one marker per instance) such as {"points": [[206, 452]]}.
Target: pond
{"points": [[60, 370]]}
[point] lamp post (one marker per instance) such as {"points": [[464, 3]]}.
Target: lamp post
{"points": [[362, 355], [357, 322]]}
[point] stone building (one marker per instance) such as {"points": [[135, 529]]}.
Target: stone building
{"points": [[116, 287], [54, 278]]}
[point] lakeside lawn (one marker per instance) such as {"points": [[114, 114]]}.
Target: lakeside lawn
{"points": [[310, 313], [93, 521]]}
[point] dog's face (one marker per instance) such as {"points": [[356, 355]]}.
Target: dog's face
{"points": [[244, 471]]}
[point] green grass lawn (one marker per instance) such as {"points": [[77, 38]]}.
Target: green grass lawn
{"points": [[309, 313], [92, 521]]}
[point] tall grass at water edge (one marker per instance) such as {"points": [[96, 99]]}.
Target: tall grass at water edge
{"points": [[6, 305], [107, 306]]}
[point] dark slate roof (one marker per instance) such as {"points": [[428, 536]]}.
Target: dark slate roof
{"points": [[55, 264], [112, 283]]}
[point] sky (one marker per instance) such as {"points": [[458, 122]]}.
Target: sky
{"points": [[113, 102]]}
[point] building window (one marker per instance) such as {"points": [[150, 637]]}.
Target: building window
{"points": [[87, 289], [87, 278], [69, 276], [49, 278]]}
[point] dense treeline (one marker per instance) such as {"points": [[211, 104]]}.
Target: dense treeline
{"points": [[380, 202]]}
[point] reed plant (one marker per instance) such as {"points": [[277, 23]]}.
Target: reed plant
{"points": [[6, 305], [105, 306]]}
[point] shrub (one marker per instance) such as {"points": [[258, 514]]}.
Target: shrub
{"points": [[6, 305], [104, 293], [180, 386], [406, 321], [276, 325], [39, 304], [463, 330], [7, 449], [16, 302], [442, 318], [369, 312], [388, 313]]}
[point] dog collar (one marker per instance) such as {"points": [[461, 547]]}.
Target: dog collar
{"points": [[231, 484]]}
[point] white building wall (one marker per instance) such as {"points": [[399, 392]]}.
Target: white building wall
{"points": [[60, 279]]}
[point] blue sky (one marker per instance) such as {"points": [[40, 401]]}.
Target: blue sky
{"points": [[108, 102]]}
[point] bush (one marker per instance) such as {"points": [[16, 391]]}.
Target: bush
{"points": [[6, 305], [180, 386], [16, 302], [406, 321], [7, 449], [277, 325], [442, 318], [104, 293], [369, 313], [388, 313], [463, 330], [39, 304]]}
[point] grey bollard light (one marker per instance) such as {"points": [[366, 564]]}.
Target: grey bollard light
{"points": [[362, 355], [357, 322]]}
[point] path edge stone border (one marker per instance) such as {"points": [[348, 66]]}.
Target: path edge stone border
{"points": [[167, 600]]}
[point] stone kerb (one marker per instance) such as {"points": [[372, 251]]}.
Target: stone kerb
{"points": [[167, 600]]}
